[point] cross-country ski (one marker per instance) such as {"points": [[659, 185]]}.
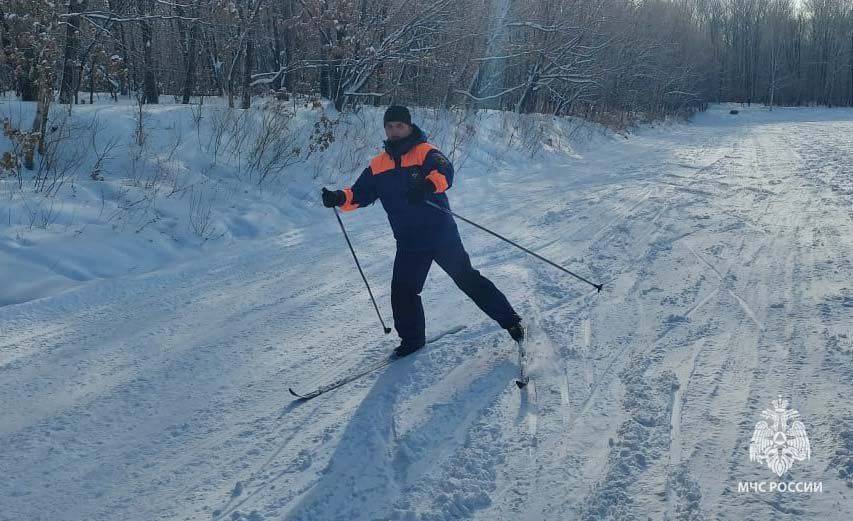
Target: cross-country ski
{"points": [[360, 374]]}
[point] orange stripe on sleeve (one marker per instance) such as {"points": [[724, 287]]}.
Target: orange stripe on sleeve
{"points": [[348, 205], [438, 180]]}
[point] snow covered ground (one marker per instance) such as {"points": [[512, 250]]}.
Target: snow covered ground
{"points": [[725, 247]]}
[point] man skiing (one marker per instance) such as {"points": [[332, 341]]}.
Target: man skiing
{"points": [[409, 172]]}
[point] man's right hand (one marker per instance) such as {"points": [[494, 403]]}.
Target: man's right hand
{"points": [[333, 198]]}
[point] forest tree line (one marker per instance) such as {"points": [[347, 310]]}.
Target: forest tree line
{"points": [[609, 60]]}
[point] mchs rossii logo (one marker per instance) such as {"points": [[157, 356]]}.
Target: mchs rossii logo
{"points": [[778, 441]]}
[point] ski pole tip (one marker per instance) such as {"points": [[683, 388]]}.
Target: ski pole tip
{"points": [[387, 330], [598, 287]]}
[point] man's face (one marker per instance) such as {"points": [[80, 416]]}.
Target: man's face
{"points": [[395, 130]]}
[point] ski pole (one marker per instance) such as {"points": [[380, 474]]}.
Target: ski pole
{"points": [[384, 327], [520, 247]]}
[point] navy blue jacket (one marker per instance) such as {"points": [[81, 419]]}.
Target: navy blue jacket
{"points": [[415, 226]]}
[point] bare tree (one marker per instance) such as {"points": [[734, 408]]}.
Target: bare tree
{"points": [[616, 61]]}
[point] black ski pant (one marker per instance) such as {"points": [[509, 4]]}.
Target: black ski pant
{"points": [[410, 272]]}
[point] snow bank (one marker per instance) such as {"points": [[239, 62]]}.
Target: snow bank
{"points": [[135, 189]]}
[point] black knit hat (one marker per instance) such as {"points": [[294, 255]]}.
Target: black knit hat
{"points": [[397, 113]]}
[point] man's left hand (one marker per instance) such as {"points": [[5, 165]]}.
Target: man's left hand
{"points": [[418, 188]]}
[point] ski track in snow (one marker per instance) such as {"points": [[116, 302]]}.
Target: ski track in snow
{"points": [[725, 248]]}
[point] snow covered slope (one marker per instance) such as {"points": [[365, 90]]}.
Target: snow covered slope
{"points": [[725, 247]]}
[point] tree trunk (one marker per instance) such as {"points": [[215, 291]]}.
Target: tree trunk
{"points": [[190, 73], [45, 94], [125, 78], [4, 43], [149, 81], [72, 42], [277, 50], [247, 72], [215, 64], [26, 84], [190, 52], [92, 80]]}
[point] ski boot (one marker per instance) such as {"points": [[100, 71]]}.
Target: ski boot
{"points": [[406, 349], [516, 332]]}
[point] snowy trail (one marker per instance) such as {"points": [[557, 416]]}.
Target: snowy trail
{"points": [[726, 251]]}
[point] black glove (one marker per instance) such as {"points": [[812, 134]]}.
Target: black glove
{"points": [[333, 198], [418, 188]]}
